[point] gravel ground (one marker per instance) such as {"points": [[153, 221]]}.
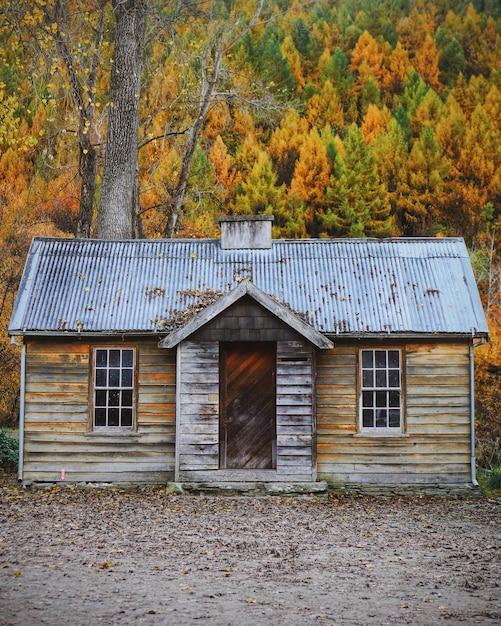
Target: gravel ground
{"points": [[78, 555]]}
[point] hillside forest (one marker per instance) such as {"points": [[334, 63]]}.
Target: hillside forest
{"points": [[342, 118]]}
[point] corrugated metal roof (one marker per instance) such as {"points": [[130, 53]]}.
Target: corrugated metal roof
{"points": [[351, 286]]}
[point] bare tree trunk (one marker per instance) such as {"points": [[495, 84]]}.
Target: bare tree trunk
{"points": [[215, 52], [137, 224], [88, 174], [118, 195], [87, 152], [191, 144]]}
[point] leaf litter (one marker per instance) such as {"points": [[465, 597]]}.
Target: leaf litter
{"points": [[122, 556]]}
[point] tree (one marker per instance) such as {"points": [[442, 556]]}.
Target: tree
{"points": [[367, 61], [285, 144], [450, 130], [391, 151], [478, 172], [311, 178], [398, 70], [301, 37], [427, 169], [426, 62], [451, 62], [338, 72], [55, 24], [259, 192], [325, 108], [119, 204], [221, 42], [415, 89], [226, 175], [428, 112], [52, 28], [375, 123], [272, 67], [358, 200], [291, 60]]}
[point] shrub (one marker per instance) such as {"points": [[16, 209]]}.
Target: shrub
{"points": [[488, 453], [9, 451]]}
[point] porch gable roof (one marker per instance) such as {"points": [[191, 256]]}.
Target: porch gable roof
{"points": [[244, 288]]}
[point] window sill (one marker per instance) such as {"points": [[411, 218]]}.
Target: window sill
{"points": [[373, 435]]}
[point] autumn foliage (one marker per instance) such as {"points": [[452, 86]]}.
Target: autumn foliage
{"points": [[346, 119]]}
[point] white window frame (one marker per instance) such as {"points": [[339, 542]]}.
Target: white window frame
{"points": [[113, 389], [380, 393]]}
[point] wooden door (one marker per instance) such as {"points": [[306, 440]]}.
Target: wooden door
{"points": [[247, 431]]}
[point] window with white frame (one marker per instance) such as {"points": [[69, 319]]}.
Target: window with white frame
{"points": [[114, 387], [381, 390]]}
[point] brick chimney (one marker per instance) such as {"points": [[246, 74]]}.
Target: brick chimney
{"points": [[246, 231]]}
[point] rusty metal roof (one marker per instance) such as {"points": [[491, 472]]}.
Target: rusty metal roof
{"points": [[339, 286]]}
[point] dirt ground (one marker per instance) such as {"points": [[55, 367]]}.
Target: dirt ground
{"points": [[76, 556]]}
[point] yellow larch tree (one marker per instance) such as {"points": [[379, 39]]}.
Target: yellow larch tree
{"points": [[326, 108], [375, 123], [311, 178], [426, 62], [367, 60], [285, 144]]}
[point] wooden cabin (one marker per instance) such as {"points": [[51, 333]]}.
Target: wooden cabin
{"points": [[248, 360]]}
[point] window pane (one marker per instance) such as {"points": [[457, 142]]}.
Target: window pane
{"points": [[394, 399], [126, 378], [367, 358], [380, 358], [381, 418], [114, 380], [114, 358], [113, 417], [101, 358], [101, 378], [368, 418], [127, 358], [126, 417], [127, 398], [381, 398], [393, 358], [367, 378], [367, 398], [100, 417], [381, 378], [394, 418], [100, 399], [393, 378], [114, 398]]}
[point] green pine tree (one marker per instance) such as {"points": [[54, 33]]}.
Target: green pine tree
{"points": [[359, 204]]}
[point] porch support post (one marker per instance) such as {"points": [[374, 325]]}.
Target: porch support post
{"points": [[178, 412]]}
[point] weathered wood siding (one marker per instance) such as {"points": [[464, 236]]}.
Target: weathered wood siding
{"points": [[197, 445], [435, 447], [246, 320], [57, 417], [295, 411], [198, 415]]}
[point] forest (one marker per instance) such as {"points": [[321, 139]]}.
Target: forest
{"points": [[342, 118]]}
